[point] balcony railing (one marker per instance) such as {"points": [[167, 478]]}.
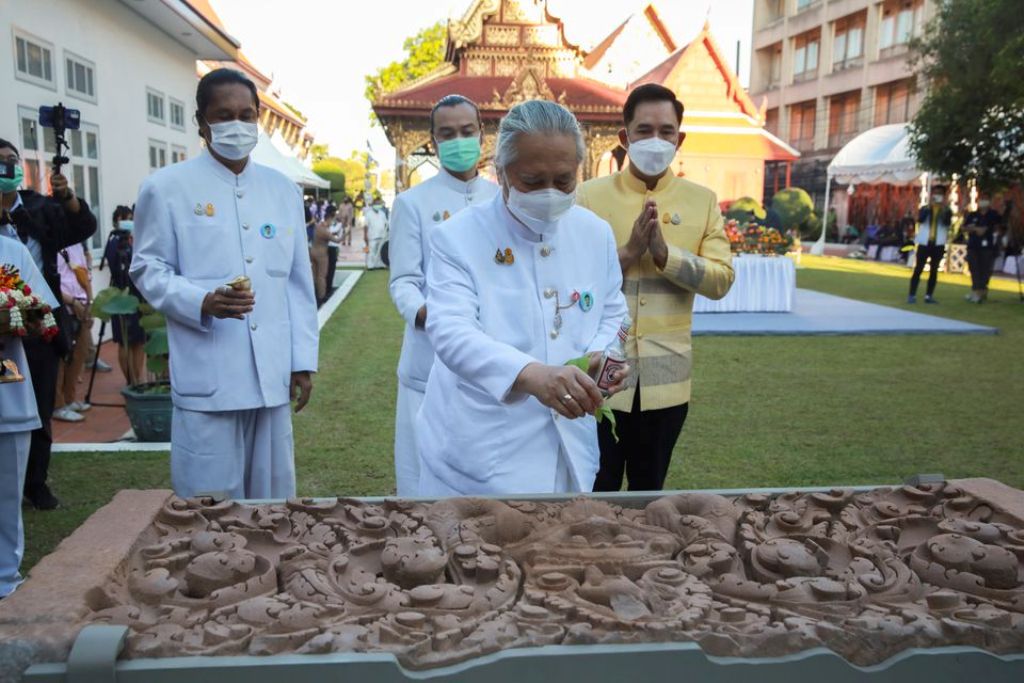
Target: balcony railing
{"points": [[808, 75], [893, 51], [852, 63], [840, 139], [803, 144]]}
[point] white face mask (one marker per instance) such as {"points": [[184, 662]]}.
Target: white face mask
{"points": [[234, 140], [540, 210], [651, 156], [984, 203], [938, 198]]}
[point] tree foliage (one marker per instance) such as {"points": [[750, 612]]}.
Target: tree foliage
{"points": [[424, 52], [972, 120], [345, 175], [331, 169]]}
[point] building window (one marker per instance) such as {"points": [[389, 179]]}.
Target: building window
{"points": [[157, 155], [771, 121], [80, 77], [155, 106], [801, 5], [900, 22], [34, 60], [848, 45], [842, 118], [775, 9], [805, 56], [893, 102], [775, 66], [177, 110], [801, 125], [178, 153]]}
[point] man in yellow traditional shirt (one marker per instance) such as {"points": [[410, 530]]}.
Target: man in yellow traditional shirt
{"points": [[671, 247]]}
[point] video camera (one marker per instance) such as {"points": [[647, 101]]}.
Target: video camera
{"points": [[60, 119]]}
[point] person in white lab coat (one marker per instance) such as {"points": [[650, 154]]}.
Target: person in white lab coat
{"points": [[457, 134], [237, 356], [18, 417], [515, 288], [375, 232]]}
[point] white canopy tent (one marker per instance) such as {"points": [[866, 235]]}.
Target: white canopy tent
{"points": [[879, 155], [268, 155]]}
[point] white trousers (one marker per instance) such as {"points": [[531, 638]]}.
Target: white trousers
{"points": [[241, 453], [13, 463], [373, 259], [407, 458], [431, 486]]}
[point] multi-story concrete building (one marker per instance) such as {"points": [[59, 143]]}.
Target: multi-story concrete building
{"points": [[831, 69], [129, 67]]}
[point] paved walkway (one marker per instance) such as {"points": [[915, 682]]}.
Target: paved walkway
{"points": [[102, 424]]}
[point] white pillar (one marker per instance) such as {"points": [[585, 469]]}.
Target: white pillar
{"points": [[818, 248]]}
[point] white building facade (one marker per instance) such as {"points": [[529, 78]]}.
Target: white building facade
{"points": [[129, 67]]}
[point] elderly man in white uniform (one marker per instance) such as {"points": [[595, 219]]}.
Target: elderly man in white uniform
{"points": [[516, 288], [18, 417], [238, 355], [456, 129], [375, 231]]}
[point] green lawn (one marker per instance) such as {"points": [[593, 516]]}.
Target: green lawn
{"points": [[768, 411]]}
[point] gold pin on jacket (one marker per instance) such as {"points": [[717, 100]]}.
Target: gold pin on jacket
{"points": [[505, 258], [210, 210]]}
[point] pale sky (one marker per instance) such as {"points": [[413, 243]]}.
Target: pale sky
{"points": [[318, 51]]}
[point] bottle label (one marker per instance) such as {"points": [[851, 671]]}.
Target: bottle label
{"points": [[609, 374]]}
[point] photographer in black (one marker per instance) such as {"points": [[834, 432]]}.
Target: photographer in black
{"points": [[45, 225], [118, 255]]}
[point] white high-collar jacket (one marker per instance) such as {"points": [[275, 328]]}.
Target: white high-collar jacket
{"points": [[487, 321]]}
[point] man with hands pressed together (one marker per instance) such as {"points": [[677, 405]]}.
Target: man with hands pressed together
{"points": [[220, 248], [671, 248]]}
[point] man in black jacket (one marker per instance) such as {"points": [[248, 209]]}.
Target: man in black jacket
{"points": [[45, 225]]}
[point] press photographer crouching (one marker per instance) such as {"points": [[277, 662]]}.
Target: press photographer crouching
{"points": [[118, 256], [45, 225]]}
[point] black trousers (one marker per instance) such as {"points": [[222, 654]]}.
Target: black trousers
{"points": [[43, 363], [981, 262], [927, 252], [332, 262], [644, 450]]}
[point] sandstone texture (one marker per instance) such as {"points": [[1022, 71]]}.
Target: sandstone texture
{"points": [[866, 574]]}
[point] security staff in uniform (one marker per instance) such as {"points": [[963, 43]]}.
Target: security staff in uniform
{"points": [[238, 353]]}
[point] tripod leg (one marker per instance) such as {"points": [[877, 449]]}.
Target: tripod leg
{"points": [[92, 374]]}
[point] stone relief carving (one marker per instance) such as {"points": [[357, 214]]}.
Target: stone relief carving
{"points": [[865, 574]]}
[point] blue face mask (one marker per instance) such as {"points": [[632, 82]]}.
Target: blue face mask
{"points": [[459, 154], [126, 225]]}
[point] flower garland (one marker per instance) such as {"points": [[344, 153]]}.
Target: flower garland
{"points": [[19, 302], [756, 239]]}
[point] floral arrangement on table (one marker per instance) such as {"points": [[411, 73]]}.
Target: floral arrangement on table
{"points": [[23, 313], [752, 238]]}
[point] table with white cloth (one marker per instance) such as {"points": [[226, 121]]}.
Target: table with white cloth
{"points": [[764, 284]]}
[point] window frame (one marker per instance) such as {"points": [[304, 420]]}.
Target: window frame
{"points": [[175, 102], [801, 47], [179, 151], [162, 121], [24, 76], [159, 146], [77, 59]]}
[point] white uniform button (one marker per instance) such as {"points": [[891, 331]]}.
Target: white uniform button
{"points": [[545, 251], [253, 327], [245, 226], [554, 334], [239, 193], [643, 302], [548, 293], [248, 259], [640, 335]]}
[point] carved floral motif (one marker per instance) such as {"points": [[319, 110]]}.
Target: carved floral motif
{"points": [[866, 574]]}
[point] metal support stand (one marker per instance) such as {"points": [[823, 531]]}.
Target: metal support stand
{"points": [[92, 372], [93, 657]]}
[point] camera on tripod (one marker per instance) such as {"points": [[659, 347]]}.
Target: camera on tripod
{"points": [[60, 119]]}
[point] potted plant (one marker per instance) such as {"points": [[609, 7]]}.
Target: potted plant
{"points": [[148, 403]]}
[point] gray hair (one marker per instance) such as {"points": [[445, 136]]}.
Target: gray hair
{"points": [[535, 116]]}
